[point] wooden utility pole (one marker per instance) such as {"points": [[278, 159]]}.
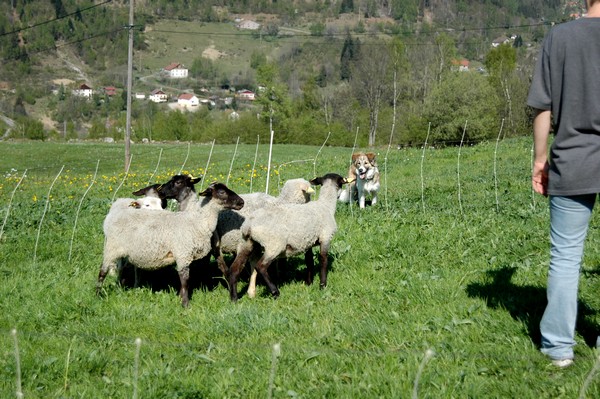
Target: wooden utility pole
{"points": [[129, 88]]}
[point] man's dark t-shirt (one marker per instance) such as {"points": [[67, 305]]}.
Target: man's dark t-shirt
{"points": [[566, 81]]}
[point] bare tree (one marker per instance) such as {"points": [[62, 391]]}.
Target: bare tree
{"points": [[370, 81]]}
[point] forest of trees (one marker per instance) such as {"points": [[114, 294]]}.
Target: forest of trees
{"points": [[394, 81]]}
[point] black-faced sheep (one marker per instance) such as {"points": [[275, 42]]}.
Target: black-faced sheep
{"points": [[228, 237], [159, 238], [176, 185], [288, 230]]}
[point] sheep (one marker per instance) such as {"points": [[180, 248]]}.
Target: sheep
{"points": [[290, 229], [179, 187], [147, 203], [159, 238], [227, 237]]}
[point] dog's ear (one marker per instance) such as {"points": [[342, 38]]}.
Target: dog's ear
{"points": [[371, 156], [355, 156]]}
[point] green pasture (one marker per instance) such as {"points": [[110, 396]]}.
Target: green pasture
{"points": [[435, 292]]}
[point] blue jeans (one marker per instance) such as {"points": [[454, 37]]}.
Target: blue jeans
{"points": [[569, 220]]}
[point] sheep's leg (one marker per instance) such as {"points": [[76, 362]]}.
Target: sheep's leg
{"points": [[310, 265], [323, 252], [254, 256], [104, 269], [262, 266], [252, 284], [236, 269], [184, 277], [218, 255]]}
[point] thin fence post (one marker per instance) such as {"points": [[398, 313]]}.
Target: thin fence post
{"points": [[254, 163], [185, 160], [274, 358], [156, 168], [19, 389], [37, 239], [458, 168], [422, 161], [318, 152], [136, 367], [269, 162], [10, 203], [495, 167], [590, 377], [385, 159], [348, 187], [232, 160], [428, 355], [79, 209], [122, 181], [207, 163]]}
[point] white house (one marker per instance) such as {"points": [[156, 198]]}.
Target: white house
{"points": [[175, 70], [250, 25], [246, 95], [83, 91], [158, 96], [188, 100]]}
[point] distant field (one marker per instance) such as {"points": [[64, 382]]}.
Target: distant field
{"points": [[435, 292], [181, 41]]}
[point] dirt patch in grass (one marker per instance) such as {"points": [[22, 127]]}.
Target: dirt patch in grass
{"points": [[212, 53]]}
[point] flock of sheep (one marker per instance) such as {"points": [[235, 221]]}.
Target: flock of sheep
{"points": [[257, 228]]}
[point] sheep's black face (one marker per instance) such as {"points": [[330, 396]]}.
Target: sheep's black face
{"points": [[177, 185], [337, 180], [225, 196]]}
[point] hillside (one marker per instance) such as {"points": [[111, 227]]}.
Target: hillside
{"points": [[85, 43]]}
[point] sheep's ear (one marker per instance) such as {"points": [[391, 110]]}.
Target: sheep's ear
{"points": [[195, 180], [209, 190], [309, 190], [317, 181], [348, 180], [145, 190]]}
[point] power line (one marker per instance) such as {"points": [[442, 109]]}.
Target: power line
{"points": [[54, 20], [366, 34]]}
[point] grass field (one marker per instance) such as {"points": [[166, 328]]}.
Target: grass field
{"points": [[435, 292]]}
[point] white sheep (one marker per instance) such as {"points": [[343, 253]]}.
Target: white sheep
{"points": [[179, 188], [159, 238], [147, 203], [228, 238], [288, 230]]}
